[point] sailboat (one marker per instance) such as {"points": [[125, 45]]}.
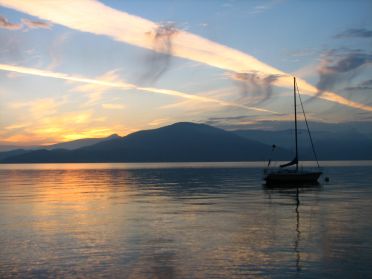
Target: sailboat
{"points": [[296, 175]]}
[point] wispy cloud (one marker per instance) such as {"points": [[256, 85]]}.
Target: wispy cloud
{"points": [[253, 88], [365, 85], [159, 121], [55, 50], [38, 108], [32, 24], [97, 18], [256, 121], [94, 92], [158, 61], [36, 24], [113, 106], [47, 124], [231, 121], [124, 86], [259, 9], [355, 33], [192, 107], [16, 126], [339, 67], [263, 7], [63, 76], [4, 23]]}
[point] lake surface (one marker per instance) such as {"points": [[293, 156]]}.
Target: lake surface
{"points": [[191, 220]]}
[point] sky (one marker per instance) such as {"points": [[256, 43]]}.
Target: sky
{"points": [[79, 69]]}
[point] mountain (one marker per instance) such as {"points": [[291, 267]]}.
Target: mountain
{"points": [[343, 149], [179, 142], [4, 147], [69, 145], [11, 153], [187, 142], [75, 144], [347, 144], [360, 127]]}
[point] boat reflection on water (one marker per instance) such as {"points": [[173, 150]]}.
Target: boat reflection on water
{"points": [[293, 191]]}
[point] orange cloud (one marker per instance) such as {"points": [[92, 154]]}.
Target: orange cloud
{"points": [[61, 127]]}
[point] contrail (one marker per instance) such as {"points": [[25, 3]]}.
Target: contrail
{"points": [[97, 18], [123, 85]]}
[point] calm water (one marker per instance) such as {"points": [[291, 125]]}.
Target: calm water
{"points": [[182, 221]]}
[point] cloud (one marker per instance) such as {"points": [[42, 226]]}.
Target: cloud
{"points": [[240, 122], [337, 68], [113, 106], [38, 108], [124, 86], [63, 76], [94, 91], [36, 24], [280, 122], [4, 23], [355, 33], [159, 121], [365, 85], [254, 89], [263, 7], [97, 18], [98, 132], [55, 50], [32, 24], [158, 62], [16, 126], [230, 120], [192, 108], [220, 93], [44, 126]]}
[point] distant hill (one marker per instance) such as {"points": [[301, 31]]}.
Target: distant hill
{"points": [[4, 147], [190, 142], [69, 145], [75, 144], [11, 153], [180, 142], [329, 145]]}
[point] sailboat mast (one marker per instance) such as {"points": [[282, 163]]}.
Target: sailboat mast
{"points": [[295, 115]]}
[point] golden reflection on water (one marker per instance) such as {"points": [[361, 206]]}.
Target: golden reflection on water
{"points": [[175, 223]]}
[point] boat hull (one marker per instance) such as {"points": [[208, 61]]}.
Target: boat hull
{"points": [[292, 177]]}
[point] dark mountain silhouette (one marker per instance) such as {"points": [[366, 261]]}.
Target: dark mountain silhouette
{"points": [[340, 145], [69, 145], [11, 153], [75, 144], [180, 142], [343, 149], [4, 147], [187, 142]]}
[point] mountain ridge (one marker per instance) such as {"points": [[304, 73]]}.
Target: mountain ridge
{"points": [[179, 142], [187, 141]]}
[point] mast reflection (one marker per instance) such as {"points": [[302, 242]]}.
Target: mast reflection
{"points": [[293, 192]]}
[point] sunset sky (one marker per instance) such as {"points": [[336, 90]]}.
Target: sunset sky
{"points": [[78, 69]]}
